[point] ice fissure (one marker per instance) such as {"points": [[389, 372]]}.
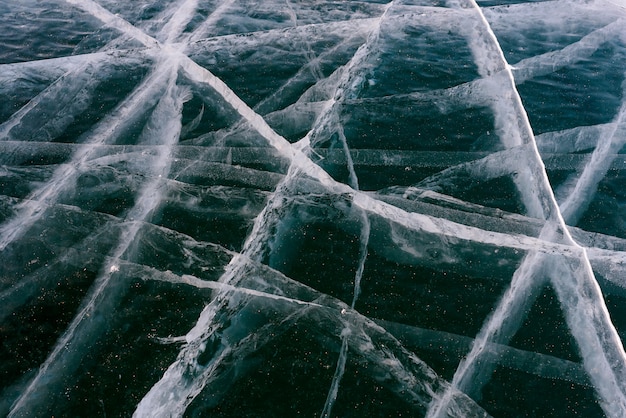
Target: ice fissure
{"points": [[228, 208]]}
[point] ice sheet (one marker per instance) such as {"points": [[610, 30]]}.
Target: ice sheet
{"points": [[319, 208]]}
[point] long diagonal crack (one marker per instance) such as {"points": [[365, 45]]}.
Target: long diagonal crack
{"points": [[552, 255]]}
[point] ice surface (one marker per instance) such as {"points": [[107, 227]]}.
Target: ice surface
{"points": [[357, 208]]}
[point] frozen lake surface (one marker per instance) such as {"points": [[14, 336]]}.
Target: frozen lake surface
{"points": [[312, 208]]}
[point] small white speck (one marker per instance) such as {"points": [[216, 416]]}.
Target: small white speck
{"points": [[114, 269]]}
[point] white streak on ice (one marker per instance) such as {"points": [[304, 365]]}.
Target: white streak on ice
{"points": [[510, 120], [595, 170], [379, 208], [603, 353], [343, 352], [187, 279], [572, 140], [349, 85], [307, 50], [115, 21], [164, 124], [339, 372], [70, 84], [538, 198], [175, 26], [185, 378], [209, 24], [31, 209], [550, 62]]}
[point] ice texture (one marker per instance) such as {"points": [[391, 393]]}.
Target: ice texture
{"points": [[313, 208]]}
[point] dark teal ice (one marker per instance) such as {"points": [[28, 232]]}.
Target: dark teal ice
{"points": [[282, 208]]}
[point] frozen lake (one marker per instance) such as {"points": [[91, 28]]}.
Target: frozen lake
{"points": [[263, 208]]}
